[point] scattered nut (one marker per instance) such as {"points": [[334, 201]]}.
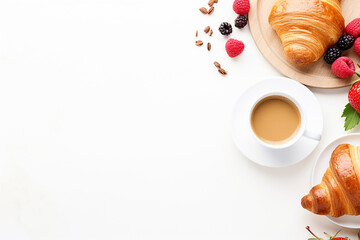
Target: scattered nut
{"points": [[207, 29], [222, 71], [217, 64], [203, 10], [208, 46], [215, 1], [211, 32], [196, 35], [199, 43], [211, 10], [211, 3]]}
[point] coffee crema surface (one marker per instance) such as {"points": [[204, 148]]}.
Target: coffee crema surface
{"points": [[275, 120]]}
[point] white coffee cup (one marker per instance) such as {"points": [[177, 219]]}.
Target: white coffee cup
{"points": [[300, 132]]}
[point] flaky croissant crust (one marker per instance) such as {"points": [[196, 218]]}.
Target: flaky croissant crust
{"points": [[307, 28], [338, 193]]}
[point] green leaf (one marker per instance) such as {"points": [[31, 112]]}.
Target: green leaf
{"points": [[312, 239], [358, 74], [352, 118], [358, 65], [358, 235]]}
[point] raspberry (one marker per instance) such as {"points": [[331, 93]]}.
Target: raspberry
{"points": [[353, 28], [225, 28], [346, 41], [332, 54], [241, 7], [241, 21], [234, 47], [357, 46], [343, 67]]}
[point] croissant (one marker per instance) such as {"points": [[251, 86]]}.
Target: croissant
{"points": [[307, 28], [338, 193]]}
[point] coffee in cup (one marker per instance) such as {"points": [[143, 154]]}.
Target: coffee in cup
{"points": [[275, 120]]}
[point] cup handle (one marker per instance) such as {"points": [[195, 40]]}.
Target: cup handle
{"points": [[312, 135]]}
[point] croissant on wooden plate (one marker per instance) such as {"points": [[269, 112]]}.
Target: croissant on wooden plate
{"points": [[307, 28], [338, 193]]}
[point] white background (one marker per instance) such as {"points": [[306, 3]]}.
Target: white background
{"points": [[114, 125]]}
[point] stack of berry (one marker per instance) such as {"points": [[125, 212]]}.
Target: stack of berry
{"points": [[242, 8], [235, 47], [344, 67], [329, 237]]}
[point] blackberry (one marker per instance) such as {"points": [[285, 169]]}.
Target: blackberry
{"points": [[241, 21], [346, 42], [225, 28], [332, 54]]}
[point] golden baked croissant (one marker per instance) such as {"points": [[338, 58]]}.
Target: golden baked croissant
{"points": [[339, 191], [307, 28]]}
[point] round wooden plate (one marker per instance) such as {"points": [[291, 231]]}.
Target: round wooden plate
{"points": [[317, 74]]}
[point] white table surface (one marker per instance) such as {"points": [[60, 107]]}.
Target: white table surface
{"points": [[114, 125]]}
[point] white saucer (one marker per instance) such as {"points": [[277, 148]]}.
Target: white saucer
{"points": [[322, 164], [245, 140]]}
